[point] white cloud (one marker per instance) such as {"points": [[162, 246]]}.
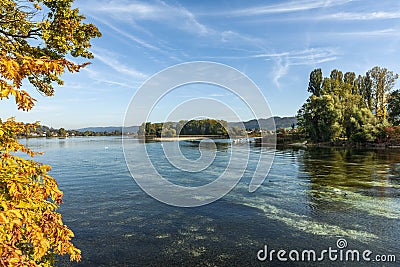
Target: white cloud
{"points": [[280, 70], [161, 12], [110, 59], [129, 36], [285, 60], [367, 34], [139, 10], [100, 79], [344, 16], [379, 15], [120, 67], [230, 36], [94, 76], [116, 13], [287, 7], [303, 57]]}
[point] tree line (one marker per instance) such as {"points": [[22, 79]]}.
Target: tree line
{"points": [[45, 131], [191, 127], [350, 107]]}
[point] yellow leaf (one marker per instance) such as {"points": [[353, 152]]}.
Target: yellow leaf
{"points": [[3, 218], [16, 213], [37, 6]]}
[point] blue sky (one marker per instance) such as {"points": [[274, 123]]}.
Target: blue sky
{"points": [[275, 43]]}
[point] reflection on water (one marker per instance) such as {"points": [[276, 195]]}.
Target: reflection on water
{"points": [[310, 198], [370, 173], [348, 179]]}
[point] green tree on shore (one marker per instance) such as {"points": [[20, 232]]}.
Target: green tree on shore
{"points": [[318, 117], [347, 106], [62, 132]]}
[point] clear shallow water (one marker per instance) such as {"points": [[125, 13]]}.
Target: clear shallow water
{"points": [[310, 199]]}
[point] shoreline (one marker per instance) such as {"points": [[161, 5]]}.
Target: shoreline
{"points": [[172, 139], [301, 143], [183, 138], [332, 145], [191, 138]]}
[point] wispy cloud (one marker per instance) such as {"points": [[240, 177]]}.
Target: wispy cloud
{"points": [[120, 67], [230, 36], [309, 56], [285, 60], [161, 12], [379, 15], [114, 80], [343, 16], [280, 70], [303, 57], [367, 34], [100, 79], [110, 59], [131, 37], [286, 7]]}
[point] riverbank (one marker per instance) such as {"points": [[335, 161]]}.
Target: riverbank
{"points": [[289, 141], [343, 144]]}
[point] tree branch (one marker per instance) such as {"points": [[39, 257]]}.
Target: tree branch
{"points": [[31, 34]]}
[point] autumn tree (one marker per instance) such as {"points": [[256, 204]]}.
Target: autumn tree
{"points": [[383, 82], [36, 38]]}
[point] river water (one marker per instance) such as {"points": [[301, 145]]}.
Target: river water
{"points": [[311, 198]]}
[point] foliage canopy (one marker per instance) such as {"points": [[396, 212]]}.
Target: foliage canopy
{"points": [[36, 38], [347, 106], [191, 127]]}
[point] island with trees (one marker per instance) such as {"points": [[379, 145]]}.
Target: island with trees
{"points": [[196, 128]]}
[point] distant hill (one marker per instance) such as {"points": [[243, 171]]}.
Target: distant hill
{"points": [[100, 129], [131, 129], [284, 122], [109, 129]]}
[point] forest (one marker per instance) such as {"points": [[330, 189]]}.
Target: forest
{"points": [[351, 108]]}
